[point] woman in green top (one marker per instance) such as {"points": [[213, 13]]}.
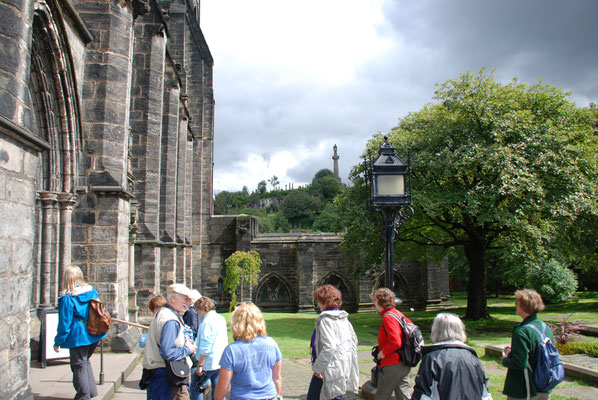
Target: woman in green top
{"points": [[524, 348]]}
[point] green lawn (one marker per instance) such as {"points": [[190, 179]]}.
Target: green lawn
{"points": [[292, 332]]}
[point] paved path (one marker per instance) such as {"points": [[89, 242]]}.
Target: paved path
{"points": [[296, 375], [123, 370], [55, 381]]}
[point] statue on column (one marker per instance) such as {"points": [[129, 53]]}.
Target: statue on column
{"points": [[335, 167]]}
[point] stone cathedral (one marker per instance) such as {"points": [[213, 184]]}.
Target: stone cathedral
{"points": [[106, 162], [106, 157]]}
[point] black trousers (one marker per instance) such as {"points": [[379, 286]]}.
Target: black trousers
{"points": [[83, 379]]}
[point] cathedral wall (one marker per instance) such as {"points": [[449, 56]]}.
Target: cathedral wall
{"points": [[106, 164], [102, 217], [16, 18], [18, 164], [19, 158], [219, 245]]}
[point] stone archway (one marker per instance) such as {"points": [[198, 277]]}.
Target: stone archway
{"points": [[400, 284], [55, 102], [273, 292]]}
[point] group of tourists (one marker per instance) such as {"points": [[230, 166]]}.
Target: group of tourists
{"points": [[450, 369], [187, 350]]}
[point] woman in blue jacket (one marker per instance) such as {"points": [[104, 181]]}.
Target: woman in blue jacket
{"points": [[73, 315]]}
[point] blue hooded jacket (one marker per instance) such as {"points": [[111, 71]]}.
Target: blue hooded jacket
{"points": [[73, 314]]}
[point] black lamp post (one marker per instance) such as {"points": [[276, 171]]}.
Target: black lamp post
{"points": [[389, 191]]}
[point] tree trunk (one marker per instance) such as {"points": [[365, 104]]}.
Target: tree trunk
{"points": [[242, 275], [477, 306]]}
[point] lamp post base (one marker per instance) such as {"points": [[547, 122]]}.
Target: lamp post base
{"points": [[368, 390]]}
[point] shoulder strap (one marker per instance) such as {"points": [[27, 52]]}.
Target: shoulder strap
{"points": [[394, 315], [399, 319], [542, 335]]}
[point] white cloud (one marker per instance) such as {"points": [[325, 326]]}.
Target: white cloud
{"points": [[292, 78], [289, 42], [257, 167]]}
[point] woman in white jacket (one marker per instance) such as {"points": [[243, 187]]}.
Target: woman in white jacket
{"points": [[334, 349]]}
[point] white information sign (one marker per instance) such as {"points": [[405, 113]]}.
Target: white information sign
{"points": [[49, 329]]}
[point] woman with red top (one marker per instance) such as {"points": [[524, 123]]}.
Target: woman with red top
{"points": [[393, 374]]}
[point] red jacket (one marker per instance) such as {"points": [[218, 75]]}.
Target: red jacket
{"points": [[390, 337]]}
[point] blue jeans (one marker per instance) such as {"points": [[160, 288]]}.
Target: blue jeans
{"points": [[194, 394], [158, 387]]}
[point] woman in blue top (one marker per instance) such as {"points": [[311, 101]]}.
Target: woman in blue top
{"points": [[212, 338], [252, 364], [73, 315]]}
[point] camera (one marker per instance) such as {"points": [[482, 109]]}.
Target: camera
{"points": [[203, 384]]}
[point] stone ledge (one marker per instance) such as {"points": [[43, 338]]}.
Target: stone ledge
{"points": [[571, 370], [21, 134], [589, 330]]}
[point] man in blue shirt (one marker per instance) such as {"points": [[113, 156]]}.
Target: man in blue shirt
{"points": [[166, 342]]}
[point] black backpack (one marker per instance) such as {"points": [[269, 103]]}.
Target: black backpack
{"points": [[413, 341]]}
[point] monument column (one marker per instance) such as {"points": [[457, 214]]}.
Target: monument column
{"points": [[335, 167]]}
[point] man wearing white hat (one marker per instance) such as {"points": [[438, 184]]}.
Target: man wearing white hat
{"points": [[166, 343]]}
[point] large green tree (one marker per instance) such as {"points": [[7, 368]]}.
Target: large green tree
{"points": [[296, 204], [325, 185], [510, 167]]}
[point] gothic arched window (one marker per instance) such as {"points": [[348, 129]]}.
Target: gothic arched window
{"points": [[273, 290]]}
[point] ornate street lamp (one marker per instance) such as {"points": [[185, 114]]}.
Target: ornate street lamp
{"points": [[388, 179]]}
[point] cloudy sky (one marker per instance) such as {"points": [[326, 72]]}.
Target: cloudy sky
{"points": [[292, 78]]}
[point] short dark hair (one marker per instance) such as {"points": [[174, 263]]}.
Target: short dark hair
{"points": [[329, 296], [385, 298]]}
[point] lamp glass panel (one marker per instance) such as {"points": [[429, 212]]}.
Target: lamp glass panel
{"points": [[390, 185]]}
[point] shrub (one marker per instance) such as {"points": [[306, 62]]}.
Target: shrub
{"points": [[565, 330], [589, 348], [554, 281]]}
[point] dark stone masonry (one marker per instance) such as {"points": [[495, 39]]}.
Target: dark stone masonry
{"points": [[294, 264], [106, 162], [106, 153]]}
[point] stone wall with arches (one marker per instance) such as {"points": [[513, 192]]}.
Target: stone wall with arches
{"points": [[294, 264]]}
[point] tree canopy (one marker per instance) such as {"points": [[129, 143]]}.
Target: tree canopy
{"points": [[325, 185], [296, 204], [510, 167]]}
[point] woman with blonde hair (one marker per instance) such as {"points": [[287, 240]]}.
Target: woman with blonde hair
{"points": [[450, 369], [73, 315], [252, 364]]}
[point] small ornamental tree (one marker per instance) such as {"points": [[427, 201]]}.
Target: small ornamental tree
{"points": [[242, 267], [553, 280]]}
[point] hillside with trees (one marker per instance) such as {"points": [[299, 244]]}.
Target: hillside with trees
{"points": [[308, 209]]}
